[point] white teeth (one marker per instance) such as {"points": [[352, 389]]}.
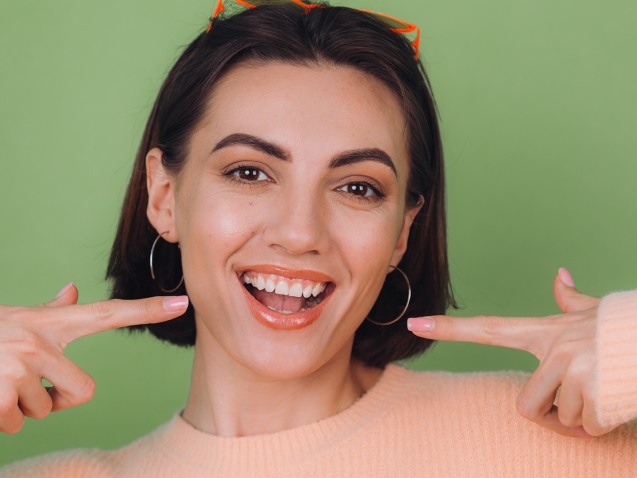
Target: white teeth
{"points": [[282, 288], [286, 312], [296, 290], [269, 285]]}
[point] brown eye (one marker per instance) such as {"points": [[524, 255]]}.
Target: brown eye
{"points": [[250, 174], [361, 190]]}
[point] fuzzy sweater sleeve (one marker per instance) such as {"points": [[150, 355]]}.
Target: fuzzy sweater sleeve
{"points": [[616, 348]]}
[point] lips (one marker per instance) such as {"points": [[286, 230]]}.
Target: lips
{"points": [[285, 299]]}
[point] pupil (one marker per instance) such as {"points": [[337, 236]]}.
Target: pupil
{"points": [[358, 189], [248, 174]]}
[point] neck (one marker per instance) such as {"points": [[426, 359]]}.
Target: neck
{"points": [[227, 399]]}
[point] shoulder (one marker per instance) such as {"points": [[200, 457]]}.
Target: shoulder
{"points": [[454, 389], [482, 404], [130, 460], [68, 463]]}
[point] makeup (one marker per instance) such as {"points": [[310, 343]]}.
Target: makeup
{"points": [[302, 309]]}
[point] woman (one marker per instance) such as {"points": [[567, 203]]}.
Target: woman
{"points": [[293, 154]]}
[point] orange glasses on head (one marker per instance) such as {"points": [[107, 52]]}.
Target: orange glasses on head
{"points": [[395, 24]]}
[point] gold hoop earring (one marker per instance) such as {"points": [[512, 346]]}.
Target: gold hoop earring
{"points": [[152, 270], [406, 305]]}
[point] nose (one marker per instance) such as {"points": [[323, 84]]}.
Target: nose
{"points": [[298, 223]]}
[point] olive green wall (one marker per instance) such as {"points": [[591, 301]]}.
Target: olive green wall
{"points": [[538, 104]]}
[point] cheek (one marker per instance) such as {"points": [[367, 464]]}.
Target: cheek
{"points": [[211, 228], [365, 236], [366, 242]]}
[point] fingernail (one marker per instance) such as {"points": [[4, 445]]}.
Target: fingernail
{"points": [[64, 289], [176, 303], [420, 324], [565, 277]]}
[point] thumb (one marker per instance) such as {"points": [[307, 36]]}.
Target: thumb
{"points": [[568, 298], [67, 296]]}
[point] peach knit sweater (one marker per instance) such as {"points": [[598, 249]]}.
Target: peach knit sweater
{"points": [[432, 424]]}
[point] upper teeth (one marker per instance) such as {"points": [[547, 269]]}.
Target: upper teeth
{"points": [[281, 286]]}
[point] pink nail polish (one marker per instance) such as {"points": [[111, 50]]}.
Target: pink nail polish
{"points": [[420, 324], [64, 289], [175, 304], [565, 277]]}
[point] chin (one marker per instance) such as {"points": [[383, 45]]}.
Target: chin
{"points": [[278, 323]]}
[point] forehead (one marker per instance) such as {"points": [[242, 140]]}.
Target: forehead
{"points": [[316, 110]]}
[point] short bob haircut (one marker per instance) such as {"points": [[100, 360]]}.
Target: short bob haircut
{"points": [[285, 32]]}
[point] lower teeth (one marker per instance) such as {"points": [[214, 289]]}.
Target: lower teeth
{"points": [[310, 304], [282, 311]]}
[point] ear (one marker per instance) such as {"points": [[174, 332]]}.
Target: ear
{"points": [[161, 198], [401, 245]]}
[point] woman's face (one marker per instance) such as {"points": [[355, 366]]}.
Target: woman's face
{"points": [[295, 181]]}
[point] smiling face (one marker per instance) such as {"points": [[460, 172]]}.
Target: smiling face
{"points": [[288, 211]]}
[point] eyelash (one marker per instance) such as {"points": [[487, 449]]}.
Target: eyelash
{"points": [[232, 176]]}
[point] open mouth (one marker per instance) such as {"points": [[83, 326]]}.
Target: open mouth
{"points": [[283, 294]]}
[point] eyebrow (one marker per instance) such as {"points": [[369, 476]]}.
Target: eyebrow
{"points": [[253, 142], [342, 159], [359, 155]]}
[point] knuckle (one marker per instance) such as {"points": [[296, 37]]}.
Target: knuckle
{"points": [[14, 427], [29, 346], [525, 408], [493, 325], [104, 308], [579, 371], [8, 403], [588, 393], [567, 419], [594, 430], [560, 353], [85, 390], [15, 372], [449, 327], [41, 412], [149, 309]]}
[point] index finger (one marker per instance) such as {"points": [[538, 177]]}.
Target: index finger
{"points": [[84, 319], [514, 332]]}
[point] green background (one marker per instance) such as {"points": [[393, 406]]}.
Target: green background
{"points": [[538, 103]]}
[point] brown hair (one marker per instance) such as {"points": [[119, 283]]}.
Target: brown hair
{"points": [[287, 33]]}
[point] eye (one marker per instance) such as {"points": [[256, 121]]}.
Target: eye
{"points": [[249, 174], [362, 190]]}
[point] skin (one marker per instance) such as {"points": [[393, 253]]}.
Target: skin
{"points": [[300, 214], [297, 215], [559, 395]]}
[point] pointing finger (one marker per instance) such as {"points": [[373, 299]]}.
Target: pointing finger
{"points": [[86, 319], [513, 332]]}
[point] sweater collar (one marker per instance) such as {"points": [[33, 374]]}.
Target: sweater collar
{"points": [[286, 450]]}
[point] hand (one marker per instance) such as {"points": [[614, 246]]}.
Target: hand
{"points": [[32, 343], [564, 344]]}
